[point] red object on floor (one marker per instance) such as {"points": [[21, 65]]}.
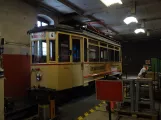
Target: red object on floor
{"points": [[112, 105], [109, 90]]}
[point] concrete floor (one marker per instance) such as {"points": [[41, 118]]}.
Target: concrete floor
{"points": [[77, 108], [99, 114], [102, 114]]}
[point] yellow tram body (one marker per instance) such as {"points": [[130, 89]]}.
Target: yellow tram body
{"points": [[71, 58]]}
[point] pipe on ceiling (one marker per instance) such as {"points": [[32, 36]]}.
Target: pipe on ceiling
{"points": [[81, 12]]}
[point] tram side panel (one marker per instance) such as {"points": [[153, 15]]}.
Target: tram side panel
{"points": [[97, 71], [61, 77], [94, 71], [77, 75], [116, 66], [56, 76], [49, 75], [64, 77]]}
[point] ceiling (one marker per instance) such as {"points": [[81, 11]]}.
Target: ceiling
{"points": [[110, 19]]}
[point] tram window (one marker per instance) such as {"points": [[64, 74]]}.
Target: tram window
{"points": [[76, 50], [52, 50], [85, 50], [39, 51], [93, 53], [111, 54], [103, 54], [44, 52], [64, 52], [117, 56]]}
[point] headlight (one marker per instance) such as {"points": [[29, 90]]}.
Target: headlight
{"points": [[38, 76]]}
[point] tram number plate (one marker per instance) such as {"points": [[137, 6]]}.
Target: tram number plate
{"points": [[51, 35]]}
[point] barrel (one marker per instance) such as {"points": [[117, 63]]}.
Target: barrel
{"points": [[44, 112]]}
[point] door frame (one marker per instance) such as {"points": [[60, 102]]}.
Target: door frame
{"points": [[78, 82]]}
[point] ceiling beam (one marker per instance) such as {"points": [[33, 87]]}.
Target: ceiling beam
{"points": [[38, 4], [81, 13], [117, 7], [152, 19], [50, 9], [72, 6]]}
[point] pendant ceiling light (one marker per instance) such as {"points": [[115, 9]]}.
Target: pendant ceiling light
{"points": [[130, 19], [111, 2], [140, 30]]}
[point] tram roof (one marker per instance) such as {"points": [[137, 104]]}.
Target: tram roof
{"points": [[69, 29]]}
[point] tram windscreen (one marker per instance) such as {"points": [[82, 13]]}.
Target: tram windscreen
{"points": [[39, 51], [64, 52]]}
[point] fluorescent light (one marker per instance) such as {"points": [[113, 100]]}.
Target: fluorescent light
{"points": [[131, 19], [111, 2], [140, 30]]}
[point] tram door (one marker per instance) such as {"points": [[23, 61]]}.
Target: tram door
{"points": [[77, 71]]}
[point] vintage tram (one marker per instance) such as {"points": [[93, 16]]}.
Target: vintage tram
{"points": [[69, 59]]}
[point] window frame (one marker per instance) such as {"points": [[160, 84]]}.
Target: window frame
{"points": [[58, 49], [89, 51], [110, 54], [117, 48], [87, 55], [73, 38], [118, 56], [49, 50], [103, 53], [42, 52]]}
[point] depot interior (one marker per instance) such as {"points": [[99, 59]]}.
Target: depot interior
{"points": [[53, 53]]}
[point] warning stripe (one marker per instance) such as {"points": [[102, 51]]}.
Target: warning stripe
{"points": [[92, 110]]}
